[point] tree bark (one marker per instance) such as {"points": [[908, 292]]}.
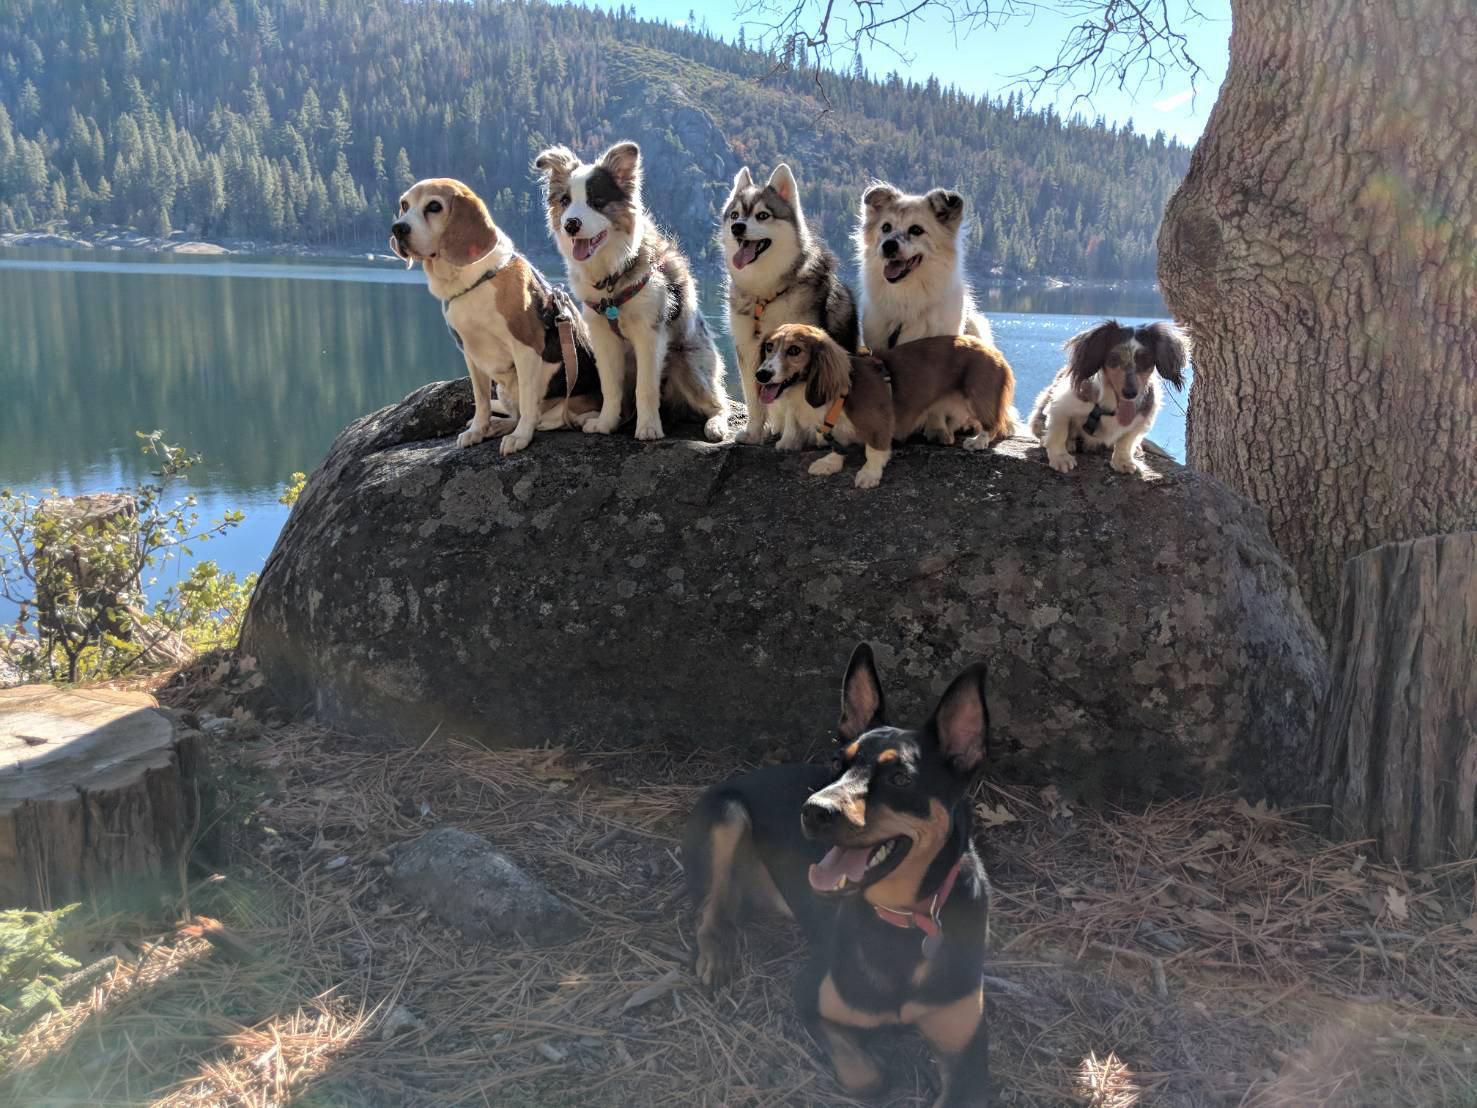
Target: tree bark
{"points": [[1396, 738], [99, 794], [1323, 251]]}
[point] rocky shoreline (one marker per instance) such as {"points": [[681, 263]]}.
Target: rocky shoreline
{"points": [[59, 236]]}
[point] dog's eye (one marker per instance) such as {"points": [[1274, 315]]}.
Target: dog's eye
{"points": [[433, 207], [564, 200], [887, 228], [792, 350], [915, 230], [597, 204], [761, 216], [405, 205], [900, 778], [769, 347], [733, 214]]}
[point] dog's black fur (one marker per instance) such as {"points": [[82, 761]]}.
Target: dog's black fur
{"points": [[752, 842]]}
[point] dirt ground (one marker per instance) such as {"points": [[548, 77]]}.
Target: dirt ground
{"points": [[1200, 952]]}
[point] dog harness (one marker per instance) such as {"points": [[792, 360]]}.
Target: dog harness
{"points": [[927, 922], [610, 306], [1089, 425], [562, 319], [833, 413], [892, 338]]}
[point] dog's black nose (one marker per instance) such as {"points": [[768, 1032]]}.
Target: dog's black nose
{"points": [[815, 818], [571, 226], [1129, 392], [739, 229], [889, 248], [763, 373], [400, 229]]}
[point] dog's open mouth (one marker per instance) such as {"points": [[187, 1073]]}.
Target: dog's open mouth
{"points": [[584, 249], [749, 252], [845, 868], [769, 391], [401, 252], [899, 268]]}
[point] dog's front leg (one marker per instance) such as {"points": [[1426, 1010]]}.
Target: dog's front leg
{"points": [[651, 355], [757, 419], [533, 382], [960, 1039], [855, 1069], [610, 364], [1125, 453], [827, 466], [482, 425], [1058, 425], [870, 475]]}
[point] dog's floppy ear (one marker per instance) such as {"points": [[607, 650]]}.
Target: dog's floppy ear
{"points": [[782, 180], [962, 720], [878, 195], [742, 179], [1171, 349], [556, 161], [947, 205], [862, 705], [469, 232], [623, 161], [1087, 350], [830, 370]]}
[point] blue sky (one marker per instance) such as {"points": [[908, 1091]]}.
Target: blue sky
{"points": [[990, 60]]}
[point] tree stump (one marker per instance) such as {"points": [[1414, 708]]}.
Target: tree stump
{"points": [[1396, 734], [98, 794]]}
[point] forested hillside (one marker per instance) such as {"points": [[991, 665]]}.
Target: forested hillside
{"points": [[301, 120]]}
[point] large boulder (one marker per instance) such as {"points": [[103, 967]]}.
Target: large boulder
{"points": [[1142, 635]]}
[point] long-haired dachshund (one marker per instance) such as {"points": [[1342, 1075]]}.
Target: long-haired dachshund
{"points": [[880, 398], [1108, 393], [874, 859]]}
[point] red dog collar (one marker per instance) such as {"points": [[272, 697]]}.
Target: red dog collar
{"points": [[927, 922]]}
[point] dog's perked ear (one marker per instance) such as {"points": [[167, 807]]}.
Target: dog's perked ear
{"points": [[878, 196], [862, 704], [782, 180], [556, 162], [830, 371], [623, 162], [1171, 349], [962, 720], [469, 232], [947, 205], [1087, 350], [743, 179]]}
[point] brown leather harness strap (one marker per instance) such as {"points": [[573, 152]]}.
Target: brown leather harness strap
{"points": [[570, 354]]}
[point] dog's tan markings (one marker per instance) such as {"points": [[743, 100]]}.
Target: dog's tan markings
{"points": [[835, 1009], [514, 289], [716, 922], [948, 1027], [900, 887], [887, 756], [854, 1067], [852, 749]]}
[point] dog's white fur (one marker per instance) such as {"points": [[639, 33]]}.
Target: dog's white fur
{"points": [[645, 329], [494, 356]]}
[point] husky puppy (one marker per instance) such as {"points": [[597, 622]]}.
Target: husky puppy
{"points": [[882, 398], [638, 295], [1108, 392], [777, 273]]}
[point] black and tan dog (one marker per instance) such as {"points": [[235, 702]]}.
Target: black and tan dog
{"points": [[873, 858]]}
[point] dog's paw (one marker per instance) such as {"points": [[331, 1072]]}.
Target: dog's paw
{"points": [[1126, 465], [474, 434], [716, 429], [790, 442], [714, 964], [941, 435], [649, 430], [1061, 461], [868, 478], [977, 442], [601, 426], [828, 466], [753, 434], [515, 442]]}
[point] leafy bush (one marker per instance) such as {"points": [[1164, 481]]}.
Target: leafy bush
{"points": [[32, 960], [77, 568]]}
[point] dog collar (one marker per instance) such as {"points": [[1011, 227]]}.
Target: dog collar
{"points": [[927, 922], [610, 307], [488, 276]]}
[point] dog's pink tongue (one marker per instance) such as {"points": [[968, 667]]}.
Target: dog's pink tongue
{"points": [[746, 254], [583, 248], [768, 394], [1128, 411], [839, 862]]}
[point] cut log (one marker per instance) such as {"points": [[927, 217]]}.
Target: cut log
{"points": [[98, 795], [1396, 735]]}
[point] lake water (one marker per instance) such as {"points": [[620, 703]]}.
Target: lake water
{"points": [[259, 363]]}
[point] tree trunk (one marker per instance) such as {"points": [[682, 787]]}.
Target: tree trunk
{"points": [[1323, 251], [99, 795], [1397, 731]]}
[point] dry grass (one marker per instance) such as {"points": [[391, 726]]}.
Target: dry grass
{"points": [[1199, 952]]}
